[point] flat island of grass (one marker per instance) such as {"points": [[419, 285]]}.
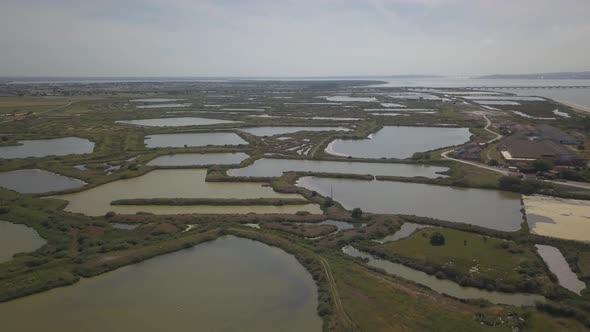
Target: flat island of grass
{"points": [[470, 259], [211, 201], [305, 230]]}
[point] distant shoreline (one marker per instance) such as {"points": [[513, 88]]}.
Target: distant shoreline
{"points": [[330, 150], [578, 107]]}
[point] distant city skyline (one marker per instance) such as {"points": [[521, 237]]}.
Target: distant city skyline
{"points": [[292, 38]]}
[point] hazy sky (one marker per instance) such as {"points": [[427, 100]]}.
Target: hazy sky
{"points": [[292, 37]]}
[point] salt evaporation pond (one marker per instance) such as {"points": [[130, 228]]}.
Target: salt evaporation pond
{"points": [[276, 167], [404, 110], [17, 238], [177, 183], [276, 130], [340, 225], [392, 105], [406, 230], [559, 266], [195, 159], [170, 105], [176, 122], [524, 115], [192, 140], [35, 181], [154, 100], [486, 208], [413, 96], [498, 102], [47, 147], [519, 98], [351, 99], [399, 142]]}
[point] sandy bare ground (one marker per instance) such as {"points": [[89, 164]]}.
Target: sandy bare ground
{"points": [[558, 217]]}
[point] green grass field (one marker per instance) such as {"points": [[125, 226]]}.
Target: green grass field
{"points": [[584, 264], [475, 176], [470, 254], [379, 303]]}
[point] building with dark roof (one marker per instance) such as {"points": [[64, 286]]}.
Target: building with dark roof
{"points": [[541, 142], [557, 135]]}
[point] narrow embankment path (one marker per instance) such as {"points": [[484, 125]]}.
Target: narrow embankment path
{"points": [[315, 148], [344, 318]]}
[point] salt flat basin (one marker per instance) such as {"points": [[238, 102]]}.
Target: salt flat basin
{"points": [[389, 105], [559, 266], [176, 122], [276, 130], [231, 109], [166, 105], [524, 115], [334, 118], [340, 225], [47, 147], [413, 96], [558, 217], [445, 286], [230, 284], [399, 142], [276, 167], [470, 93], [403, 110], [406, 230], [16, 238], [486, 208], [155, 100], [192, 140], [390, 114], [351, 99], [498, 102], [36, 181], [195, 159], [217, 209], [560, 113], [505, 97], [178, 183], [331, 118], [313, 103]]}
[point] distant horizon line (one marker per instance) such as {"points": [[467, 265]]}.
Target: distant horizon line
{"points": [[287, 76], [246, 77], [227, 76]]}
